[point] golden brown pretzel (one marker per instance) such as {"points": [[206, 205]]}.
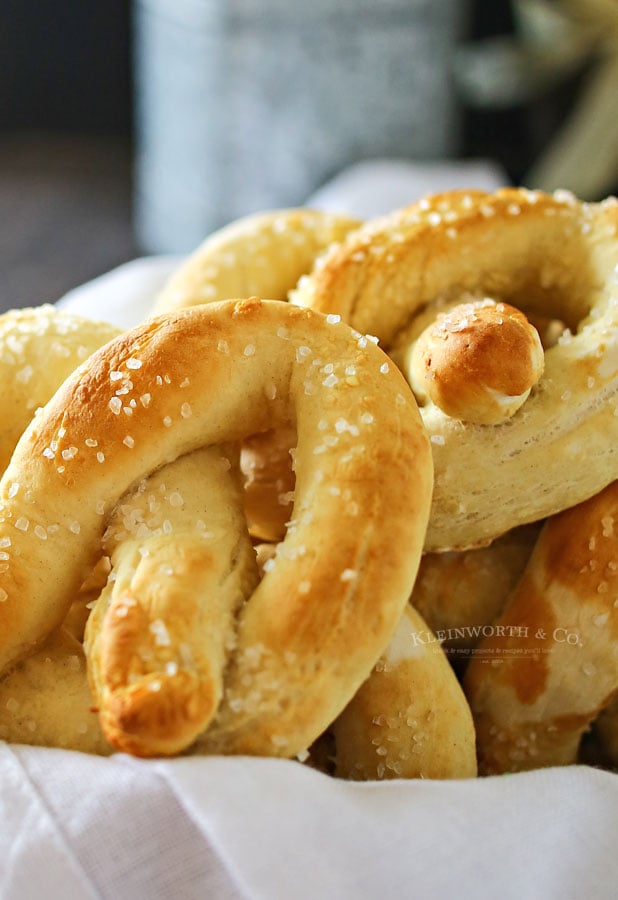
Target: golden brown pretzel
{"points": [[261, 254], [550, 666], [39, 347], [546, 255], [268, 468], [410, 718], [477, 362], [159, 635], [210, 375]]}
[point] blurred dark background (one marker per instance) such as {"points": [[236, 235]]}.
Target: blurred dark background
{"points": [[66, 126]]}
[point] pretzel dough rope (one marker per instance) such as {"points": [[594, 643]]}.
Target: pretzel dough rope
{"points": [[211, 375], [410, 718], [45, 700], [550, 666], [39, 348], [458, 593], [262, 254], [182, 566], [547, 255]]}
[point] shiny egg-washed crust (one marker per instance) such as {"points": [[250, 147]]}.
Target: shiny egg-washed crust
{"points": [[263, 254], [550, 666], [316, 624], [39, 347], [548, 255], [477, 363], [410, 718]]}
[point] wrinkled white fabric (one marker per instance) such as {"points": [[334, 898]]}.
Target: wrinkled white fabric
{"points": [[229, 829]]}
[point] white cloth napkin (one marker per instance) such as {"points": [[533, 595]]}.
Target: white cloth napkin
{"points": [[82, 827], [126, 829]]}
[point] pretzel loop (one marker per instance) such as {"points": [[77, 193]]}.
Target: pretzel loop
{"points": [[548, 255], [206, 377]]}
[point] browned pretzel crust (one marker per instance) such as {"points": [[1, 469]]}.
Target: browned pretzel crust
{"points": [[314, 627], [548, 255], [550, 666]]}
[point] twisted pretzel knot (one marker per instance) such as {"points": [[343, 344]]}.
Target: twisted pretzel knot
{"points": [[204, 378], [549, 256], [263, 254]]}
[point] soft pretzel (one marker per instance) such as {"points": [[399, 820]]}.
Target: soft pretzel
{"points": [[550, 665], [311, 631], [45, 699], [410, 718], [460, 593], [39, 347], [547, 255], [158, 636], [477, 363], [261, 254]]}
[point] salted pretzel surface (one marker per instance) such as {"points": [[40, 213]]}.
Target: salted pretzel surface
{"points": [[313, 628], [39, 347], [549, 665], [551, 257], [261, 254], [410, 718]]}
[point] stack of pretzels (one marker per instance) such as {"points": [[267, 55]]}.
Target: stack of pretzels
{"points": [[348, 496]]}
